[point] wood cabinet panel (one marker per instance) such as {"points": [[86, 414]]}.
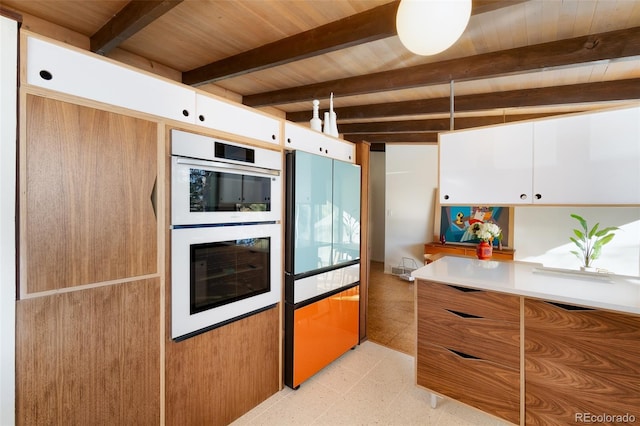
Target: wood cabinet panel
{"points": [[482, 384], [363, 157], [215, 377], [579, 361], [90, 356], [87, 201]]}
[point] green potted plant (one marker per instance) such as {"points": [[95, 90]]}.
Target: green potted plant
{"points": [[590, 241]]}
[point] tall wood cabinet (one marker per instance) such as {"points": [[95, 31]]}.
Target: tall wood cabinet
{"points": [[88, 319], [92, 345]]}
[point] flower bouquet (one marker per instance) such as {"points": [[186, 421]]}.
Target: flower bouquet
{"points": [[486, 232]]}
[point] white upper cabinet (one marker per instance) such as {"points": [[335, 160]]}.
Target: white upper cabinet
{"points": [[305, 139], [238, 120], [89, 76], [589, 158], [487, 166], [583, 159]]}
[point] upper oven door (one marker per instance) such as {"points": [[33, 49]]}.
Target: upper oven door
{"points": [[208, 192]]}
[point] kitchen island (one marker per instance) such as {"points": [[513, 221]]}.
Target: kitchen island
{"points": [[529, 344]]}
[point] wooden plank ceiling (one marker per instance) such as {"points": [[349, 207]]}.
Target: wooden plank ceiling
{"points": [[517, 59]]}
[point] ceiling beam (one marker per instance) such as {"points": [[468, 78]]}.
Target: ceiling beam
{"points": [[436, 125], [10, 14], [578, 50], [370, 25], [364, 27], [136, 15], [484, 6], [618, 90], [418, 137], [424, 131]]}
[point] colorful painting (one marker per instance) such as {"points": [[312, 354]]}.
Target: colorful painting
{"points": [[456, 220]]}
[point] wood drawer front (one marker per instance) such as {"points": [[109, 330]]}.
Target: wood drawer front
{"points": [[584, 361], [488, 339], [482, 384], [444, 250], [465, 250], [501, 256], [485, 304]]}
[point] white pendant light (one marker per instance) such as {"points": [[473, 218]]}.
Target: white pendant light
{"points": [[427, 27]]}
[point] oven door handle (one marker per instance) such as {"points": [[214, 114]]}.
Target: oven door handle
{"points": [[241, 167]]}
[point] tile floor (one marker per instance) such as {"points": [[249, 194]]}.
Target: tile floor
{"points": [[370, 385]]}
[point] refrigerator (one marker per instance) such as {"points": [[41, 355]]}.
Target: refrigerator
{"points": [[322, 263]]}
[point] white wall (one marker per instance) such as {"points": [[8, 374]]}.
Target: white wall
{"points": [[377, 205], [411, 180], [8, 67], [541, 234]]}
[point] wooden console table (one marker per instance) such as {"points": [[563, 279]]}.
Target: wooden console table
{"points": [[435, 248]]}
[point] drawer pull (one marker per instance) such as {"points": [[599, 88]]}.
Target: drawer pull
{"points": [[570, 307], [464, 289], [462, 314], [463, 355], [154, 197]]}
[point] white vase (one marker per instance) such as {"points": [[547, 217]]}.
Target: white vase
{"points": [[327, 124], [315, 122], [334, 124], [333, 119]]}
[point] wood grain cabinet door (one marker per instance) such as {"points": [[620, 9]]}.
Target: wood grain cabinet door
{"points": [[581, 365], [87, 201], [90, 357]]}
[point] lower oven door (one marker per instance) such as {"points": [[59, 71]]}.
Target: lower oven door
{"points": [[223, 273]]}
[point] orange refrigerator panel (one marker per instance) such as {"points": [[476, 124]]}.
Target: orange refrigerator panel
{"points": [[323, 331]]}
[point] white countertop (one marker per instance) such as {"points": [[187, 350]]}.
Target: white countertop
{"points": [[604, 291]]}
